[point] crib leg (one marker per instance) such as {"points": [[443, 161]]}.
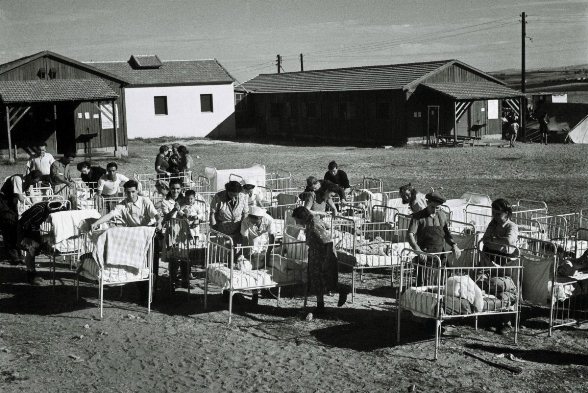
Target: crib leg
{"points": [[437, 337], [517, 322], [352, 285], [53, 270], [206, 289], [305, 289], [476, 322], [77, 287], [230, 305], [101, 296], [150, 294], [278, 298], [398, 313]]}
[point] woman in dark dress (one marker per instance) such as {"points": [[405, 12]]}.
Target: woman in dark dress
{"points": [[322, 260]]}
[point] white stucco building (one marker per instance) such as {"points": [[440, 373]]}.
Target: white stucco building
{"points": [[193, 98]]}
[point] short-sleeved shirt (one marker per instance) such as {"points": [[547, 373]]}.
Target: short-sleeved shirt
{"points": [[42, 164], [93, 176], [110, 187], [228, 215], [251, 231], [58, 168], [135, 214]]}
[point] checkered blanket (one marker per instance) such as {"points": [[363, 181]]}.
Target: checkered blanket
{"points": [[123, 246]]}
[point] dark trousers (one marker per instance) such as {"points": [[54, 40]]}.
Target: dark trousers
{"points": [[8, 221]]}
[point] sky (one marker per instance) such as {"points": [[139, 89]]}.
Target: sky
{"points": [[246, 35]]}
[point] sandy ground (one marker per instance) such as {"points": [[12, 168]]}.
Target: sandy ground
{"points": [[51, 343]]}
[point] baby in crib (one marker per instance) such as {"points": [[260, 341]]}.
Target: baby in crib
{"points": [[194, 210]]}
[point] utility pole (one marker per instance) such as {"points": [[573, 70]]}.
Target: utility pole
{"points": [[301, 62], [279, 63], [523, 102]]}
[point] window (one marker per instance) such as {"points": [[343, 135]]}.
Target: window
{"points": [[206, 103], [160, 103], [382, 110]]}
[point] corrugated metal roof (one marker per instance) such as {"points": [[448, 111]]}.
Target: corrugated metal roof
{"points": [[55, 90], [473, 90], [175, 72], [383, 77]]}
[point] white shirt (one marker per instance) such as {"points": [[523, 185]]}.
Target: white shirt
{"points": [[251, 231], [139, 213], [42, 164], [109, 187]]}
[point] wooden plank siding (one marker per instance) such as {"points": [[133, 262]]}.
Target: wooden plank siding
{"points": [[456, 73], [339, 116], [28, 132]]}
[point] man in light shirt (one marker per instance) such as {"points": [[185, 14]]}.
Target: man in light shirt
{"points": [[41, 161], [135, 211], [109, 184]]}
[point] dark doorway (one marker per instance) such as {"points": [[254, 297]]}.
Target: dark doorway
{"points": [[432, 122], [64, 124], [36, 127]]}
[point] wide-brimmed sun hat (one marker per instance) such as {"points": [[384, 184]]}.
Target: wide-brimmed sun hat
{"points": [[256, 211]]}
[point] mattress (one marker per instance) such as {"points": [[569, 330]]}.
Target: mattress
{"points": [[220, 276], [367, 260], [90, 270], [423, 301], [72, 245]]}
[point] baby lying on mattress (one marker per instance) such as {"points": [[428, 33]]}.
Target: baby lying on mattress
{"points": [[461, 296]]}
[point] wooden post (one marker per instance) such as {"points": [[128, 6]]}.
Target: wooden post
{"points": [[10, 158], [116, 152], [455, 123]]}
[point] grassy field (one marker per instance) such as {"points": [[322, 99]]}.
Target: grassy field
{"points": [[556, 174]]}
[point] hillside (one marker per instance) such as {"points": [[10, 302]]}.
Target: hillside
{"points": [[544, 76]]}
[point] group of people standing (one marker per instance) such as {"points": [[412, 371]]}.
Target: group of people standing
{"points": [[173, 160]]}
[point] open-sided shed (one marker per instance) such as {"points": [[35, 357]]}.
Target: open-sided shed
{"points": [[70, 106]]}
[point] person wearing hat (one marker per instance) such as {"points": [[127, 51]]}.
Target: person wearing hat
{"points": [[227, 209], [28, 233], [257, 227], [252, 192], [428, 230]]}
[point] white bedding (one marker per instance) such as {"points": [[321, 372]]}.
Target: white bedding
{"points": [[219, 177], [89, 269], [220, 275], [368, 260]]}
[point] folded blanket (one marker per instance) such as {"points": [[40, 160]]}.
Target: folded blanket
{"points": [[122, 246], [71, 223]]}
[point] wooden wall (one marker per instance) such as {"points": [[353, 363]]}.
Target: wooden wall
{"points": [[340, 116], [64, 70]]}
